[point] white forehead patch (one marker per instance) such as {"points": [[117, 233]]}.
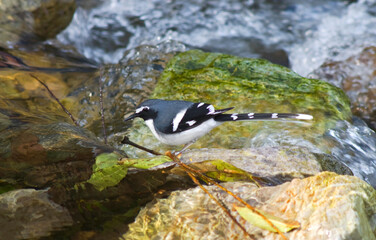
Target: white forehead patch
{"points": [[200, 104], [140, 109]]}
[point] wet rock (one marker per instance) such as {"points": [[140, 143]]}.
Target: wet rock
{"points": [[34, 20], [249, 85], [327, 206], [30, 214], [356, 76], [216, 77]]}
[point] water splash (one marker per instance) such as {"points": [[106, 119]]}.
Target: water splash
{"points": [[336, 37], [355, 146]]}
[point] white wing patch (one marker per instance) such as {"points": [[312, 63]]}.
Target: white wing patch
{"points": [[200, 104], [274, 115], [190, 123], [177, 120], [234, 116], [140, 109], [251, 115], [211, 109]]}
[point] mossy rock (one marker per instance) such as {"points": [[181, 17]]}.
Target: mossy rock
{"points": [[249, 85]]}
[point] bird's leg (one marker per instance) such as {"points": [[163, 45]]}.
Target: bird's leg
{"points": [[184, 148]]}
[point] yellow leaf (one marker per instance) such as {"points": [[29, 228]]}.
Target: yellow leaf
{"points": [[258, 221]]}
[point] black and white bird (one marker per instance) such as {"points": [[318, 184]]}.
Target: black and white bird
{"points": [[181, 122]]}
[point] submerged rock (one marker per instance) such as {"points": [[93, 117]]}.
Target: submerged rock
{"points": [[327, 206]]}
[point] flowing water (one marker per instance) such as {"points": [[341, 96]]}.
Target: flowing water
{"points": [[355, 145], [102, 33]]}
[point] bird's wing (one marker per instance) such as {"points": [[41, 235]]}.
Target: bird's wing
{"points": [[197, 114]]}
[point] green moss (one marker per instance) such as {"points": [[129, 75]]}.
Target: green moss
{"points": [[245, 83]]}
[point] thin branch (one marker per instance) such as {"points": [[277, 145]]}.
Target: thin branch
{"points": [[102, 108], [129, 142], [57, 100]]}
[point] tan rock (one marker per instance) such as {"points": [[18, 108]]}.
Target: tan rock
{"points": [[328, 206]]}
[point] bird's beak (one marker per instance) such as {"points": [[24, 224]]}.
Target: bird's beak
{"points": [[131, 117]]}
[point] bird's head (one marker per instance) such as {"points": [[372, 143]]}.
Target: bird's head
{"points": [[145, 110]]}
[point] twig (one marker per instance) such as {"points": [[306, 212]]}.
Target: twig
{"points": [[102, 108], [57, 100], [209, 180], [129, 142]]}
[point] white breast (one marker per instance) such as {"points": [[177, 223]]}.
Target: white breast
{"points": [[185, 136]]}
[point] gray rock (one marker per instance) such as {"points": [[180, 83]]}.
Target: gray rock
{"points": [[30, 20]]}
